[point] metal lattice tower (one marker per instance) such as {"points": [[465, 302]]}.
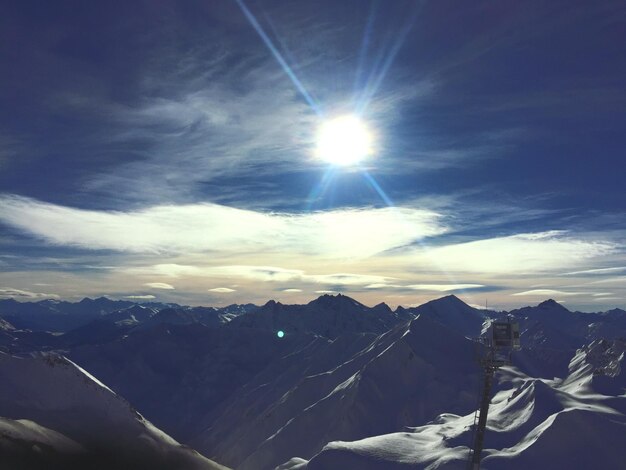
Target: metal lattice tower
{"points": [[501, 339]]}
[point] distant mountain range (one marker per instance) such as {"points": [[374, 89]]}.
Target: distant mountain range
{"points": [[62, 316], [348, 386]]}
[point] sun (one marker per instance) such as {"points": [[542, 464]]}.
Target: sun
{"points": [[343, 141]]}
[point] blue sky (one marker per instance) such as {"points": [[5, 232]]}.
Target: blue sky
{"points": [[166, 149]]}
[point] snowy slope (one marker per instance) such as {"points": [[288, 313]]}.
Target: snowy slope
{"points": [[176, 374], [608, 325], [7, 338], [53, 392], [25, 444], [6, 326], [234, 310], [532, 424], [131, 315], [550, 325], [208, 316], [398, 379]]}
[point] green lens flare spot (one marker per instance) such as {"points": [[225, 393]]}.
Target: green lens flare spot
{"points": [[280, 333]]}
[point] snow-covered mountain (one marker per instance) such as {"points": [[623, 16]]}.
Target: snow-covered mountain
{"points": [[106, 328], [551, 325], [132, 315], [177, 374], [208, 316], [73, 415], [352, 387], [63, 317], [54, 315], [328, 316], [348, 386], [234, 310], [576, 423], [454, 314], [294, 407]]}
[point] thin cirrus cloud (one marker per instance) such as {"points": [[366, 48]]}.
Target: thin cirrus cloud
{"points": [[521, 253], [258, 273], [620, 280], [382, 285], [444, 287], [141, 297], [207, 117], [159, 285], [599, 271], [8, 292], [546, 292], [222, 290], [210, 227]]}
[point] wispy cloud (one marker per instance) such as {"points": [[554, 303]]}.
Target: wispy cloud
{"points": [[8, 292], [546, 292], [444, 287], [199, 127], [365, 251], [159, 285], [612, 280], [382, 285], [141, 297], [478, 307], [598, 271], [222, 290], [522, 253], [259, 273], [424, 287], [212, 227]]}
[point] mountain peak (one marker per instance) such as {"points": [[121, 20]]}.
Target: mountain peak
{"points": [[382, 307], [452, 298], [551, 303], [449, 300], [453, 313], [329, 300], [271, 304]]}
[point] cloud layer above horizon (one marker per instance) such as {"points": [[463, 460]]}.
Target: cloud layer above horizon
{"points": [[401, 252], [341, 233]]}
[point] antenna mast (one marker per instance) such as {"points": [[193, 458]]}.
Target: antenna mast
{"points": [[500, 340]]}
